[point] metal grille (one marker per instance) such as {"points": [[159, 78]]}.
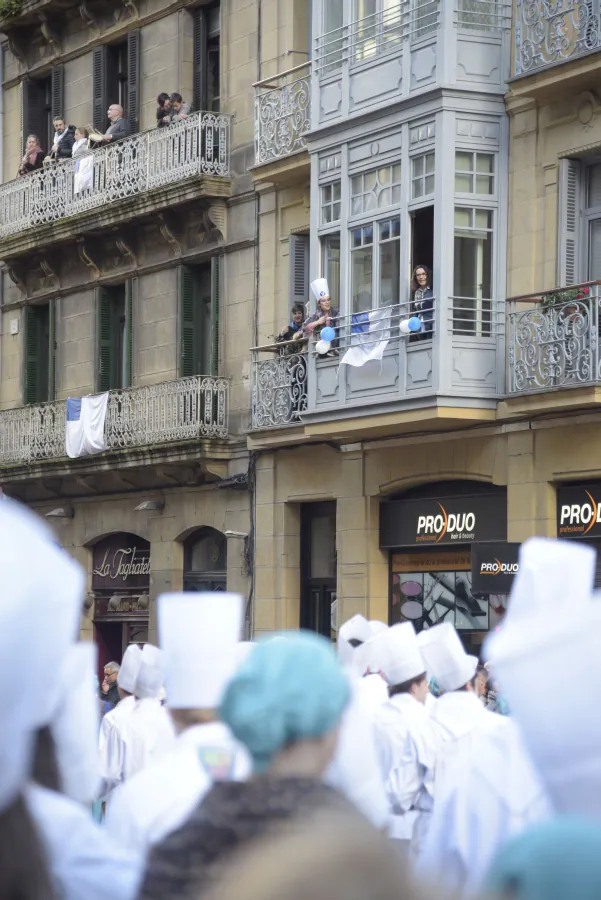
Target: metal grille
{"points": [[547, 33], [282, 114]]}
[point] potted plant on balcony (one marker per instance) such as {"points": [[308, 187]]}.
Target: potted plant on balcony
{"points": [[555, 298]]}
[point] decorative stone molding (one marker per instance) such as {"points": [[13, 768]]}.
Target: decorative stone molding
{"points": [[86, 259], [168, 234]]}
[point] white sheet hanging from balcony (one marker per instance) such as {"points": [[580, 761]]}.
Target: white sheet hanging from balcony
{"points": [[370, 333], [84, 432]]}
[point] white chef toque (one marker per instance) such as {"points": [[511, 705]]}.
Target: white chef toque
{"points": [[199, 634], [445, 658], [394, 652], [151, 674], [130, 666], [356, 628], [559, 650], [320, 289], [75, 723]]}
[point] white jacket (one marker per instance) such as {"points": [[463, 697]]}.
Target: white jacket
{"points": [[111, 746]]}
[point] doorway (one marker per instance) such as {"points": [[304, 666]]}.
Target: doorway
{"points": [[422, 238], [318, 567]]}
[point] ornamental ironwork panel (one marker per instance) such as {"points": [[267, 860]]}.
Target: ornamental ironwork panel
{"points": [[554, 345], [548, 32], [186, 409], [279, 389], [197, 145], [282, 114]]}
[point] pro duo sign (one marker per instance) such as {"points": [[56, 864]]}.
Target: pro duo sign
{"points": [[447, 520], [579, 512], [459, 526]]}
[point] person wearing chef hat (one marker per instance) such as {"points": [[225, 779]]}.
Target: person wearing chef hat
{"points": [[200, 637], [113, 723], [325, 316]]}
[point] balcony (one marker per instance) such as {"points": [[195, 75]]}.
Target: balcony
{"points": [[189, 409], [547, 34], [454, 364], [282, 114], [139, 166]]}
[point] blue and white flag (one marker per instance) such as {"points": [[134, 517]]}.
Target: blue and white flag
{"points": [[370, 333], [86, 416]]}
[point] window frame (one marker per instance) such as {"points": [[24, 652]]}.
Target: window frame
{"points": [[426, 195], [372, 214], [473, 173], [376, 244], [478, 301], [323, 205]]}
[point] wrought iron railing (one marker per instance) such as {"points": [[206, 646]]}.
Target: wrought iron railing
{"points": [[553, 339], [186, 409], [547, 33], [279, 395], [197, 145], [282, 113]]}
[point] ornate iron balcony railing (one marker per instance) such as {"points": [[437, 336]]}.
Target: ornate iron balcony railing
{"points": [[186, 409], [282, 114], [553, 339], [198, 145], [279, 394], [550, 33]]}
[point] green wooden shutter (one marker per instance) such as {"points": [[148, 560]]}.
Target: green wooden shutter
{"points": [[186, 311], [99, 87], [129, 331], [216, 288], [133, 80], [569, 218], [200, 59], [58, 91], [299, 269], [52, 314], [33, 114], [30, 356], [105, 336]]}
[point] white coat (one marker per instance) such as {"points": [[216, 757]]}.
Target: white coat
{"points": [[147, 734], [161, 798], [398, 720], [495, 794], [85, 863], [111, 746]]}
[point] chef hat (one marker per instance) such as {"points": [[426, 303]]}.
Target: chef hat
{"points": [[394, 652], [445, 658], [199, 634], [559, 650], [320, 289], [286, 691], [42, 591], [151, 672], [75, 724], [356, 629], [130, 666]]}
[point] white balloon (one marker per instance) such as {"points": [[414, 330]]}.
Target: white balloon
{"points": [[404, 327], [322, 347]]}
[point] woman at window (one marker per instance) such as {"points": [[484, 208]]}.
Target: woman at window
{"points": [[422, 304], [163, 110], [325, 313], [34, 156]]}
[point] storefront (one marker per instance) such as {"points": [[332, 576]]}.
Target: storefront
{"points": [[579, 517], [429, 533], [120, 585]]}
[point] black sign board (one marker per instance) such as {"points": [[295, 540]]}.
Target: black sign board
{"points": [[121, 562], [579, 512], [494, 566], [450, 520]]}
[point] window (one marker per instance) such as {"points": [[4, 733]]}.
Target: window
{"points": [[474, 173], [422, 175], [331, 266], [199, 290], [378, 27], [424, 19], [482, 15], [375, 264], [376, 189], [318, 567], [115, 336], [42, 100], [207, 60], [39, 357], [592, 221], [331, 44], [205, 561], [116, 80], [472, 272], [330, 203]]}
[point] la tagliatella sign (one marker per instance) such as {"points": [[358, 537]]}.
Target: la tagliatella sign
{"points": [[121, 561]]}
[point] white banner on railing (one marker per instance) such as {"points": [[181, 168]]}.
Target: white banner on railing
{"points": [[370, 333], [84, 432]]}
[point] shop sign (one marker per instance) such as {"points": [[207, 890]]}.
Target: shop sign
{"points": [[432, 561], [121, 561], [494, 566], [410, 523], [579, 512]]}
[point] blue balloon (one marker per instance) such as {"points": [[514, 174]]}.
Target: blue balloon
{"points": [[415, 324], [328, 333]]}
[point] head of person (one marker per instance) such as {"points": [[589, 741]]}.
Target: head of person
{"points": [[285, 703], [481, 681], [298, 314], [115, 112], [128, 673], [421, 278], [163, 100], [81, 133], [151, 673], [32, 142], [176, 101], [417, 687], [324, 304], [59, 124], [445, 658], [111, 673], [555, 860], [395, 654]]}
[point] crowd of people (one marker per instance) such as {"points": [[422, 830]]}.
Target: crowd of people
{"points": [[287, 768]]}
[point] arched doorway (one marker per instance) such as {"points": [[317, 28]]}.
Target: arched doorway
{"points": [[205, 561]]}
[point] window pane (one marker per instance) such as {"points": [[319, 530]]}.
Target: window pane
{"points": [[594, 256], [396, 172], [361, 279], [484, 184], [484, 163], [356, 237], [385, 198], [594, 186], [326, 193], [396, 227], [390, 254], [396, 195], [332, 267], [472, 266], [369, 202], [323, 547], [483, 218], [336, 190], [355, 206], [384, 175], [463, 184], [463, 217], [418, 165], [429, 162], [356, 184], [429, 184], [368, 234], [326, 214], [369, 181], [463, 162], [335, 212], [384, 231], [417, 188]]}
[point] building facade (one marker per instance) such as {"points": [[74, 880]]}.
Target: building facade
{"points": [[139, 281]]}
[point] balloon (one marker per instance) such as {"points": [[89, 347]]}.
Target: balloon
{"points": [[328, 334], [415, 324], [322, 347], [404, 327]]}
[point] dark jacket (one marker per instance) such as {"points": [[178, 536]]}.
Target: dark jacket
{"points": [[231, 814], [288, 333], [423, 306], [27, 167], [112, 696], [118, 130], [162, 113], [65, 145]]}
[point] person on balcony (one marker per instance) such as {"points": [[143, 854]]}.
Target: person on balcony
{"points": [[294, 330], [163, 110], [422, 303], [119, 127], [64, 139], [84, 161], [325, 315], [179, 109], [33, 158]]}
